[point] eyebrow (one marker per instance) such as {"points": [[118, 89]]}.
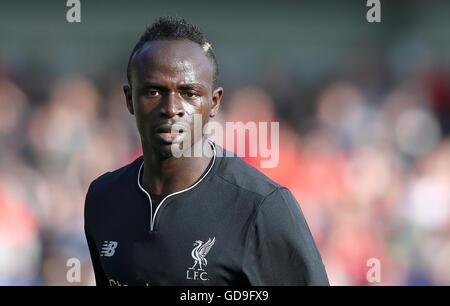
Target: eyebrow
{"points": [[190, 86], [182, 86]]}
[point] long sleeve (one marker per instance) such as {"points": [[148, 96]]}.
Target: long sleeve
{"points": [[280, 249]]}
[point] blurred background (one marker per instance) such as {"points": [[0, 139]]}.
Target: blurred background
{"points": [[364, 112]]}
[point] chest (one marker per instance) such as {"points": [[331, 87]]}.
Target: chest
{"points": [[191, 243]]}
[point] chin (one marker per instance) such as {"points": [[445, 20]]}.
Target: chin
{"points": [[174, 149], [165, 154], [165, 150]]}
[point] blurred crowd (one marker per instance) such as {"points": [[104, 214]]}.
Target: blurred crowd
{"points": [[366, 153]]}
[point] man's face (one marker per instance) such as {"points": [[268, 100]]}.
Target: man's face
{"points": [[171, 83]]}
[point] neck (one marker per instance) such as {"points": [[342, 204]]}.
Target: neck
{"points": [[165, 175]]}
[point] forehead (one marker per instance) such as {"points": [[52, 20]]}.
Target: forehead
{"points": [[179, 61]]}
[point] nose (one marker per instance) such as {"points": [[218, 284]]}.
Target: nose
{"points": [[171, 105]]}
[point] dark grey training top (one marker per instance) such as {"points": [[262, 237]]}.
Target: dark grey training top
{"points": [[234, 226]]}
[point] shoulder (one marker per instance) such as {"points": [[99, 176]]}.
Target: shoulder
{"points": [[114, 180], [235, 171], [271, 199]]}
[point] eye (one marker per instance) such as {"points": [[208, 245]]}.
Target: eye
{"points": [[152, 93], [191, 94]]}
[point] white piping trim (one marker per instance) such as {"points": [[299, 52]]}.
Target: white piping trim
{"points": [[153, 217], [149, 198]]}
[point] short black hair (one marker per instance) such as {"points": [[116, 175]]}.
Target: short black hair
{"points": [[175, 28]]}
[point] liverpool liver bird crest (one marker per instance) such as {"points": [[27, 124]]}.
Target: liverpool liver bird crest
{"points": [[200, 251]]}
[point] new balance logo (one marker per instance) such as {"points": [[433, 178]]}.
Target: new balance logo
{"points": [[108, 248]]}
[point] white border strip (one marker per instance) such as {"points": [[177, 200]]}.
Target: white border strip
{"points": [[152, 217]]}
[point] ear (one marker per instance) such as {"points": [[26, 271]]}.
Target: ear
{"points": [[216, 97], [128, 98]]}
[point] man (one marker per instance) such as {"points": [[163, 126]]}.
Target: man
{"points": [[180, 220]]}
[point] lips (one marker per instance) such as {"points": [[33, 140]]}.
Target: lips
{"points": [[170, 128], [170, 133]]}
